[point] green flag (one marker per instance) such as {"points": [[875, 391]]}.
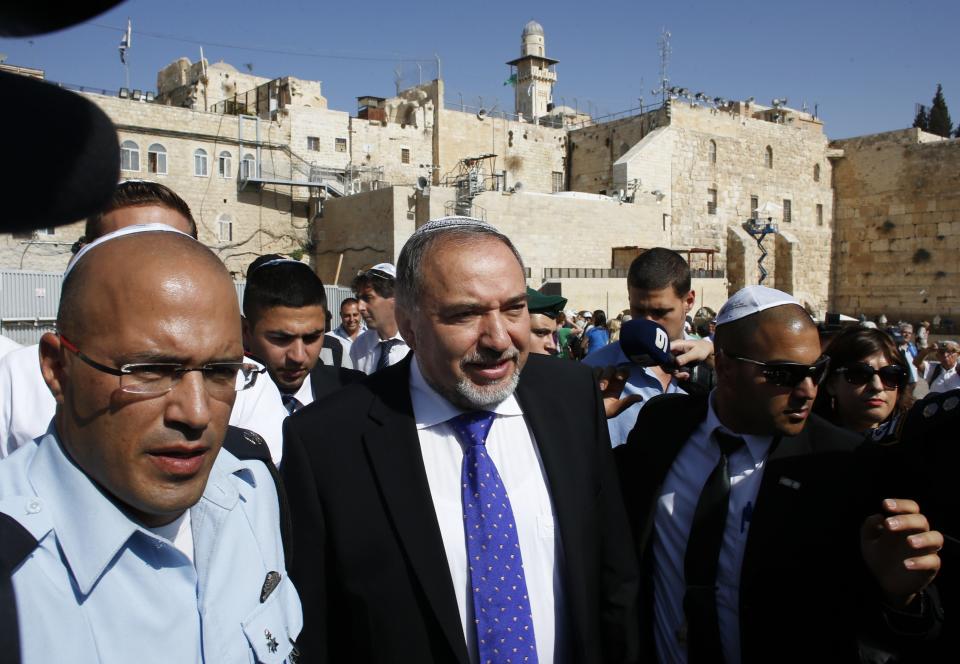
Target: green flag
{"points": [[512, 80]]}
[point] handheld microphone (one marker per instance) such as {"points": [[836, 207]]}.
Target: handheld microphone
{"points": [[647, 344]]}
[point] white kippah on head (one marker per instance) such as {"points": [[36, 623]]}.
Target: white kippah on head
{"points": [[127, 230], [387, 269], [752, 300], [444, 223]]}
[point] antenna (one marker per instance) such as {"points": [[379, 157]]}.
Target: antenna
{"points": [[664, 44]]}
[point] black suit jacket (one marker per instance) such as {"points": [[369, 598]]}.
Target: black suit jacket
{"points": [[369, 562], [803, 583], [326, 380]]}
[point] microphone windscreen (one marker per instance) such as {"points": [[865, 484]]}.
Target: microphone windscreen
{"points": [[63, 155], [646, 343], [19, 18]]}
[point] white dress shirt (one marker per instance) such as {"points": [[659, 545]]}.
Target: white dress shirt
{"points": [[305, 394], [513, 449], [948, 379], [7, 345], [365, 351], [26, 405], [673, 519]]}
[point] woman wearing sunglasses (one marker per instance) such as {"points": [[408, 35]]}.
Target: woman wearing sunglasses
{"points": [[867, 380]]}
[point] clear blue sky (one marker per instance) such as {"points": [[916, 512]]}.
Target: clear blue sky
{"points": [[864, 64]]}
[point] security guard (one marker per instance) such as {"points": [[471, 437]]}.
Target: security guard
{"points": [[543, 321], [152, 544]]}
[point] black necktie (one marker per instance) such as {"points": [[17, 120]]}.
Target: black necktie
{"points": [[702, 558], [384, 360], [291, 403]]}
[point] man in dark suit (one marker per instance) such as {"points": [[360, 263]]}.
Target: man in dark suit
{"points": [[284, 306], [464, 506], [744, 508]]}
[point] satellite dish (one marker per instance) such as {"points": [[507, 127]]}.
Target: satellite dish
{"points": [[517, 188], [481, 114], [422, 183]]}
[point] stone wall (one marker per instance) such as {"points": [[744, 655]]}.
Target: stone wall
{"points": [[362, 229], [897, 237], [273, 218], [528, 153]]}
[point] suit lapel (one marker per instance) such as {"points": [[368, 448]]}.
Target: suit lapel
{"points": [[564, 484], [676, 422], [394, 451]]}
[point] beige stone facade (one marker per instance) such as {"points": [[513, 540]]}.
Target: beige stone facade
{"points": [[897, 237], [346, 189]]}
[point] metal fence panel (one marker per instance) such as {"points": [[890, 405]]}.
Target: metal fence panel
{"points": [[28, 303]]}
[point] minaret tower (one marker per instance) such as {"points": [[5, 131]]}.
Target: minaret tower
{"points": [[534, 73]]}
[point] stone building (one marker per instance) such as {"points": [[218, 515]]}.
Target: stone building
{"points": [[897, 238], [267, 166]]}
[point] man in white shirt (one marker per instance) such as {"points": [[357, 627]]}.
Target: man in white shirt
{"points": [[351, 322], [459, 506], [940, 375], [284, 307], [381, 345]]}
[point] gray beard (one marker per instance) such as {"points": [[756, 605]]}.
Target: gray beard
{"points": [[470, 396]]}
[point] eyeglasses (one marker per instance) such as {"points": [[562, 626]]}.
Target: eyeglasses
{"points": [[789, 374], [222, 379], [861, 373]]}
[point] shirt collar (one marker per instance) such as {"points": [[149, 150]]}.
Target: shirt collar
{"points": [[431, 409], [91, 530], [757, 446], [305, 394]]}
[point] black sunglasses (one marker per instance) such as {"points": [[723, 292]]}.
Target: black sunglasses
{"points": [[789, 374], [861, 373]]}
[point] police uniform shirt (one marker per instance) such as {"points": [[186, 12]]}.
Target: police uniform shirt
{"points": [[101, 588]]}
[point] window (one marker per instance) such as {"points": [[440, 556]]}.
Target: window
{"points": [[157, 159], [819, 214], [225, 228], [816, 172], [404, 155], [711, 201], [712, 151], [49, 231], [768, 157], [557, 180], [129, 156], [341, 144], [223, 164], [754, 206], [200, 162], [248, 167], [787, 211], [313, 143]]}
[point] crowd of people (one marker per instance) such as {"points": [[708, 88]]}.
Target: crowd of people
{"points": [[461, 469]]}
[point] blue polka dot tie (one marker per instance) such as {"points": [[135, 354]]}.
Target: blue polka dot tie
{"points": [[501, 606]]}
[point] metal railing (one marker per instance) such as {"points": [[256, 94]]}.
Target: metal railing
{"points": [[614, 273], [29, 302]]}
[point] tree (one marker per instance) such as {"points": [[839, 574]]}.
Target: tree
{"points": [[940, 123], [921, 121]]}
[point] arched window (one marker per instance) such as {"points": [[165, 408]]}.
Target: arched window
{"points": [[768, 157], [157, 159], [248, 167], [225, 228], [816, 172], [200, 162], [223, 164], [129, 156], [712, 151]]}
